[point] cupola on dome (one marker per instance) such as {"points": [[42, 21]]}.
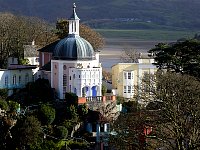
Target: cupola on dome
{"points": [[73, 47]]}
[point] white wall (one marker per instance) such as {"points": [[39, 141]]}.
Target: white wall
{"points": [[22, 77]]}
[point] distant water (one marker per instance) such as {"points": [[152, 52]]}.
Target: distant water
{"points": [[110, 54]]}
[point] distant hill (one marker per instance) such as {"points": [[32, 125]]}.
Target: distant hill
{"points": [[123, 14]]}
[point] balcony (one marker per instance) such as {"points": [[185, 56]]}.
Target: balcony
{"points": [[96, 99]]}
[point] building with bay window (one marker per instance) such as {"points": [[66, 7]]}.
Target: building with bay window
{"points": [[127, 76]]}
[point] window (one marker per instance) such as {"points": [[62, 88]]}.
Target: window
{"points": [[75, 26], [125, 77], [14, 79], [64, 91], [64, 67], [102, 128], [129, 75], [70, 77], [6, 81], [64, 80], [74, 76], [36, 59], [124, 89], [132, 90], [19, 79], [129, 89], [26, 78]]}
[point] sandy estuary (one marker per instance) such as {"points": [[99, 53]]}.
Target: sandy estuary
{"points": [[113, 48]]}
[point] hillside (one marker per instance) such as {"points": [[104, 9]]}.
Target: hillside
{"points": [[123, 14]]}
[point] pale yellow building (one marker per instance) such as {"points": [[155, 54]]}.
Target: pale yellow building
{"points": [[126, 76]]}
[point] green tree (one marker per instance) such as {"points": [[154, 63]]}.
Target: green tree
{"points": [[39, 91], [45, 145], [27, 132], [3, 93], [13, 105], [71, 99], [3, 105], [104, 90], [73, 113], [46, 114], [23, 61], [61, 132], [90, 35], [82, 110], [68, 124], [181, 57]]}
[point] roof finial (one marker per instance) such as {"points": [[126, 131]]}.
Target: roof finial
{"points": [[74, 5]]}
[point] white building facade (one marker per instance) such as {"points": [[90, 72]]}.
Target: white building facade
{"points": [[12, 79], [75, 66]]}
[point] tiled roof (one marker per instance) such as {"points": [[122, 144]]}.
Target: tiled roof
{"points": [[49, 48]]}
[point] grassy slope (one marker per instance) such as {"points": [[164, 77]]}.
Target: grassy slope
{"points": [[146, 34]]}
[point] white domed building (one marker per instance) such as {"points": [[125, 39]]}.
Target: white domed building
{"points": [[75, 65]]}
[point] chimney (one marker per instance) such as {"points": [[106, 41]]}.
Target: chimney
{"points": [[33, 43]]}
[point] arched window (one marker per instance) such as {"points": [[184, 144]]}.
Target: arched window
{"points": [[6, 80], [19, 79], [64, 67], [14, 79]]}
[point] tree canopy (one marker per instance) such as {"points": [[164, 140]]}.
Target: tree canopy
{"points": [[180, 97], [181, 57], [175, 123], [27, 132], [17, 31], [46, 114]]}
